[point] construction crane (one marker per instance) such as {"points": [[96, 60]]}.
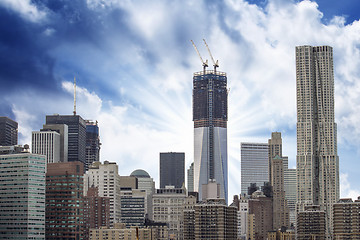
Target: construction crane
{"points": [[205, 64], [216, 64]]}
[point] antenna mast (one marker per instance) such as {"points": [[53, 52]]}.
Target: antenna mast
{"points": [[74, 96], [216, 64], [205, 64]]}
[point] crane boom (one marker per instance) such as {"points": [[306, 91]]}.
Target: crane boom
{"points": [[216, 64], [205, 64]]}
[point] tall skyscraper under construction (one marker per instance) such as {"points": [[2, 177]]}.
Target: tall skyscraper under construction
{"points": [[317, 160], [210, 115]]}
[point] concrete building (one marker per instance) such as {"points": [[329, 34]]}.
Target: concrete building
{"points": [[120, 232], [63, 130], [317, 160], [260, 219], [92, 142], [210, 116], [64, 201], [106, 177], [96, 211], [211, 190], [22, 190], [254, 164], [76, 135], [215, 220], [168, 206], [290, 193], [8, 132], [280, 206], [46, 143], [242, 206], [133, 203], [190, 178], [275, 149], [172, 169], [347, 219], [311, 223]]}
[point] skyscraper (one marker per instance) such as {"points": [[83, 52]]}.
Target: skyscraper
{"points": [[8, 132], [210, 115], [172, 169], [76, 135], [275, 148], [92, 142], [317, 160], [190, 178], [63, 130], [46, 143], [254, 164]]}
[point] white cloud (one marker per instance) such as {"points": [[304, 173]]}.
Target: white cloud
{"points": [[348, 191], [25, 8]]}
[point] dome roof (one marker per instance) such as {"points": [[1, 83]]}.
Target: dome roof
{"points": [[140, 174]]}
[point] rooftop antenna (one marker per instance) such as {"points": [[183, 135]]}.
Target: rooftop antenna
{"points": [[205, 64], [74, 96], [216, 64]]}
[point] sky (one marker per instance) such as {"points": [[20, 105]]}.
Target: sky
{"points": [[133, 62]]}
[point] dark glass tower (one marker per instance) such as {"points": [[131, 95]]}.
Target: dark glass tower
{"points": [[210, 115], [76, 135], [172, 169], [8, 132], [92, 142]]}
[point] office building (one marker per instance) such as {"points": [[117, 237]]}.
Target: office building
{"points": [[64, 201], [92, 142], [61, 129], [290, 193], [76, 135], [168, 204], [8, 132], [254, 164], [96, 211], [46, 143], [190, 178], [317, 160], [133, 207], [106, 178], [311, 223], [347, 219], [22, 190], [210, 116], [172, 169]]}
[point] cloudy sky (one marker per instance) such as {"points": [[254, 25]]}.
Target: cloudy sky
{"points": [[133, 62]]}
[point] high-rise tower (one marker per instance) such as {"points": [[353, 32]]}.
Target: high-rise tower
{"points": [[210, 130], [317, 160]]}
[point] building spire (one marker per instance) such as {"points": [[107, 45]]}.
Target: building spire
{"points": [[74, 96]]}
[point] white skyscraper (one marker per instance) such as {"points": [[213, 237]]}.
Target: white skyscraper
{"points": [[46, 143], [317, 159], [254, 164]]}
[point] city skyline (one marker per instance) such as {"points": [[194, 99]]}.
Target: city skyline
{"points": [[134, 70]]}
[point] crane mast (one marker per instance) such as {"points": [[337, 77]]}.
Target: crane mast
{"points": [[216, 64]]}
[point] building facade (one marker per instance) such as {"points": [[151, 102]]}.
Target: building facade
{"points": [[172, 169], [64, 201], [106, 178], [61, 129], [347, 219], [92, 142], [254, 164], [8, 132], [290, 193], [76, 135], [311, 223], [133, 203], [317, 160], [190, 178], [22, 201], [46, 143], [210, 116], [275, 149]]}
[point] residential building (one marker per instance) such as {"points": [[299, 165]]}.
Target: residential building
{"points": [[46, 143], [210, 116], [317, 160], [8, 132], [106, 177], [76, 135], [132, 207], [172, 169], [92, 142], [64, 200], [190, 178], [311, 223], [22, 190], [63, 130], [347, 219], [168, 204], [242, 206], [254, 164], [120, 232]]}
